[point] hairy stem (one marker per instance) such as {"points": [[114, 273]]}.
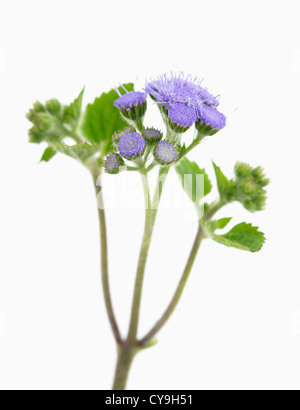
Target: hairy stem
{"points": [[128, 350], [104, 259], [135, 311]]}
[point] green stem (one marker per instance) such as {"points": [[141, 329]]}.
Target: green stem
{"points": [[135, 311], [139, 124], [125, 358], [128, 350], [213, 209], [104, 251], [179, 290]]}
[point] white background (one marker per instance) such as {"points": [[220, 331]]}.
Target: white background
{"points": [[238, 324]]}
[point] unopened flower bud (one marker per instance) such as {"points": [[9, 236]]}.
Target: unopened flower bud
{"points": [[53, 106], [42, 122], [37, 107], [250, 183], [152, 136]]}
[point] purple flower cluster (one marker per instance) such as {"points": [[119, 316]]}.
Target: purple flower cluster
{"points": [[175, 92], [131, 145], [130, 100]]}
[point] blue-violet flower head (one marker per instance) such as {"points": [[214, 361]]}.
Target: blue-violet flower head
{"points": [[210, 117], [132, 145], [130, 100], [133, 104], [165, 153], [181, 117], [168, 90], [112, 163]]}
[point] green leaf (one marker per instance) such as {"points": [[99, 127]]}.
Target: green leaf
{"points": [[219, 224], [73, 111], [80, 151], [48, 154], [242, 236], [189, 173], [226, 187], [102, 119], [222, 181]]}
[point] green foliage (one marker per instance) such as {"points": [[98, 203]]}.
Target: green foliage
{"points": [[219, 223], [191, 184], [79, 151], [102, 119], [50, 120], [226, 186], [242, 236], [48, 154], [72, 112]]}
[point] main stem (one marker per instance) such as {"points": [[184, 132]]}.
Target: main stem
{"points": [[135, 311], [128, 350]]}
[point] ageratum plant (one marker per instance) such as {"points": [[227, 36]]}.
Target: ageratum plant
{"points": [[109, 136]]}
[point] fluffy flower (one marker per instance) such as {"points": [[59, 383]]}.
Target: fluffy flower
{"points": [[181, 117], [211, 117], [165, 153], [130, 100], [169, 90], [131, 145]]}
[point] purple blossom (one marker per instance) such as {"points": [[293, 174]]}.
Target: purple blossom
{"points": [[165, 152], [169, 90], [182, 116], [131, 145], [211, 117], [130, 100], [111, 164]]}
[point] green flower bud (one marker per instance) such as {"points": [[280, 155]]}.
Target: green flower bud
{"points": [[37, 108], [53, 106], [42, 122], [35, 137], [250, 183]]}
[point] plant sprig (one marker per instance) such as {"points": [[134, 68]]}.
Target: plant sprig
{"points": [[110, 136]]}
